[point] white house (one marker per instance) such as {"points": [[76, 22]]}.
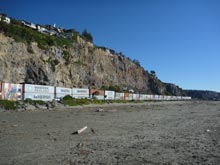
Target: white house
{"points": [[5, 19], [31, 25]]}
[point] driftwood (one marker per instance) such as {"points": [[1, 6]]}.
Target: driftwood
{"points": [[80, 130], [100, 110]]}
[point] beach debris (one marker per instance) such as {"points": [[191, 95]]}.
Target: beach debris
{"points": [[100, 110], [80, 130], [79, 145], [92, 130], [47, 104], [86, 152], [208, 130]]}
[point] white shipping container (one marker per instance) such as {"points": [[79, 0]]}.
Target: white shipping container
{"points": [[62, 92], [119, 96], [142, 97], [179, 97], [29, 88], [110, 95], [173, 97], [130, 97], [160, 97], [150, 97], [99, 97], [135, 96], [165, 97], [156, 97], [145, 97], [39, 96], [169, 97], [187, 98], [80, 93]]}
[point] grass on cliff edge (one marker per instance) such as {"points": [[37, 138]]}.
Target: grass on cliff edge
{"points": [[27, 35]]}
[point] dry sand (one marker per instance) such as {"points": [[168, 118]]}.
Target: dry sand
{"points": [[150, 133]]}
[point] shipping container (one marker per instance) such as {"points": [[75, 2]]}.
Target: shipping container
{"points": [[160, 97], [96, 93], [156, 97], [142, 97], [38, 92], [9, 91], [39, 96], [128, 96], [145, 97], [61, 92], [30, 88], [109, 95], [165, 97], [119, 96], [169, 97], [135, 96], [179, 97], [80, 93], [173, 97], [150, 97], [98, 97]]}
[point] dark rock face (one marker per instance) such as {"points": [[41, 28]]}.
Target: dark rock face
{"points": [[36, 75], [83, 66], [173, 89], [203, 95]]}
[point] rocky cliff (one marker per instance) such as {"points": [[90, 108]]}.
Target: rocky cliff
{"points": [[79, 65]]}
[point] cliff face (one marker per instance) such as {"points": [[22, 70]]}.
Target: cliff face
{"points": [[81, 65]]}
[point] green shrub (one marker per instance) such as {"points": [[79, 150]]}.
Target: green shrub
{"points": [[78, 62], [74, 102], [66, 56], [34, 102], [52, 62], [8, 104], [87, 36], [67, 97]]}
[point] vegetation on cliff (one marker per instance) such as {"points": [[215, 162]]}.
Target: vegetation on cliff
{"points": [[27, 35]]}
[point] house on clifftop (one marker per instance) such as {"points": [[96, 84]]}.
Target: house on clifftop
{"points": [[4, 18]]}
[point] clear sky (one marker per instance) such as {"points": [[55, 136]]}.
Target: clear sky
{"points": [[179, 39]]}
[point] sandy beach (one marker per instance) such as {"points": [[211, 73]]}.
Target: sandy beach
{"points": [[167, 133]]}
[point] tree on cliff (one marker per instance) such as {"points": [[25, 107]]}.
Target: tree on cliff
{"points": [[153, 73], [87, 36]]}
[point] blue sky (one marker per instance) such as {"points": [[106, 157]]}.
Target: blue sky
{"points": [[179, 39]]}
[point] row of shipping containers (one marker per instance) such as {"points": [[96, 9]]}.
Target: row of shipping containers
{"points": [[11, 91]]}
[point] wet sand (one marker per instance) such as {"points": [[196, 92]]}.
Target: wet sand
{"points": [[165, 133]]}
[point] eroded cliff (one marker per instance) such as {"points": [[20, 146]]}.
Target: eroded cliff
{"points": [[79, 65]]}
